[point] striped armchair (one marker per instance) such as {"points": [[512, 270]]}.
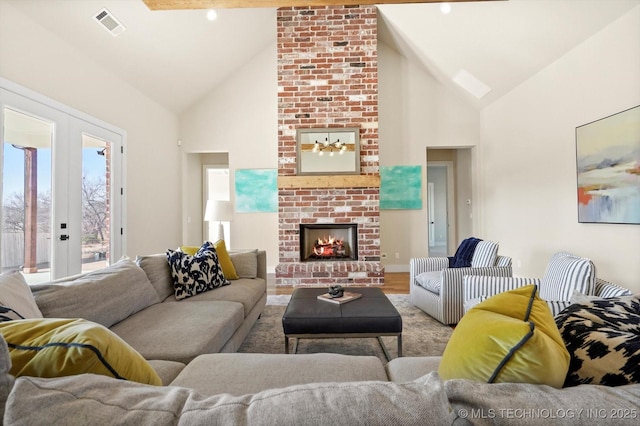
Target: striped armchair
{"points": [[438, 290], [565, 274]]}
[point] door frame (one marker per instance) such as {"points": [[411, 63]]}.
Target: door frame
{"points": [[68, 120], [451, 213]]}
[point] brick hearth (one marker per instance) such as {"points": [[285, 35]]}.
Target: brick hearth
{"points": [[328, 77]]}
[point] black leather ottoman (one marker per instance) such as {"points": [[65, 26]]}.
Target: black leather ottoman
{"points": [[372, 315]]}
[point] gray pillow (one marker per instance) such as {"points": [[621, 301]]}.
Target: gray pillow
{"points": [[245, 262], [105, 296], [16, 294], [156, 266], [93, 399]]}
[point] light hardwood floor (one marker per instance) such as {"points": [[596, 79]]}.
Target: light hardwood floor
{"points": [[394, 283]]}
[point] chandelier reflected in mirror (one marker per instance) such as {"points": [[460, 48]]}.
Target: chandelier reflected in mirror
{"points": [[336, 146], [327, 150]]}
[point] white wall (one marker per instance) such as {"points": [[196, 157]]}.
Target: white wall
{"points": [[37, 59], [528, 157], [240, 117], [415, 112]]}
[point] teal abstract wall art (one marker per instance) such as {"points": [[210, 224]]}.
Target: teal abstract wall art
{"points": [[400, 187], [256, 190]]}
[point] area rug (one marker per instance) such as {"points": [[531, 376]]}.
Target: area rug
{"points": [[421, 334]]}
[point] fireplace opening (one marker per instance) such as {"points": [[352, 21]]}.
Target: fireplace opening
{"points": [[328, 241]]}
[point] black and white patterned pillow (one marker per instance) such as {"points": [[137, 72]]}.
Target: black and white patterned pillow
{"points": [[195, 274], [603, 339], [8, 314]]}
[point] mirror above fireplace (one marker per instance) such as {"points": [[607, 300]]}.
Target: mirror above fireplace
{"points": [[328, 151]]}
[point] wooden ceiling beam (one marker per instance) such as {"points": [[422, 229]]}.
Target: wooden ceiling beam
{"points": [[235, 4]]}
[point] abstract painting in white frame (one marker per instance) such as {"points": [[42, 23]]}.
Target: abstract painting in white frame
{"points": [[608, 166]]}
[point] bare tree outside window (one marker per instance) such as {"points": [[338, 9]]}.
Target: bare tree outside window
{"points": [[94, 209]]}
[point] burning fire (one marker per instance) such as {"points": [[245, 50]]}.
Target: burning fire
{"points": [[328, 246]]}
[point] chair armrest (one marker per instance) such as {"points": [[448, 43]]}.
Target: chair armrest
{"points": [[452, 288], [428, 264], [418, 265], [476, 286], [503, 261], [607, 289]]}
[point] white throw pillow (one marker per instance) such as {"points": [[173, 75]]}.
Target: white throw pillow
{"points": [[16, 294]]}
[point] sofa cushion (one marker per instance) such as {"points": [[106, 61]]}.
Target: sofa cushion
{"points": [[62, 347], [16, 295], [166, 370], [485, 254], [245, 291], [105, 296], [566, 273], [245, 262], [195, 274], [99, 400], [180, 331], [510, 337], [242, 373], [603, 339], [406, 369], [431, 280], [156, 267]]}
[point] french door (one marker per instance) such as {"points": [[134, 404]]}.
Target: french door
{"points": [[62, 190]]}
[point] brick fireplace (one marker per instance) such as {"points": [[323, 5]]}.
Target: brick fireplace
{"points": [[328, 77]]}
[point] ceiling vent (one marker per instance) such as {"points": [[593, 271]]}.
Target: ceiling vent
{"points": [[109, 22]]}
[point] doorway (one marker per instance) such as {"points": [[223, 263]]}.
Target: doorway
{"points": [[440, 184], [449, 194], [61, 193]]}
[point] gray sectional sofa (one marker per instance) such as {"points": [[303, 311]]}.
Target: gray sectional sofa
{"points": [[136, 301], [317, 389], [185, 343]]}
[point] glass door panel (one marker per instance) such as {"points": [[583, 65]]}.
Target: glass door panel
{"points": [[26, 195], [96, 155]]}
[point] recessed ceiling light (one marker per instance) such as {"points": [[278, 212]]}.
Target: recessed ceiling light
{"points": [[212, 15], [445, 8]]}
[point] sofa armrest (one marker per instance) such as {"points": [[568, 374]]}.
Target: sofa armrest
{"points": [[262, 264], [476, 286]]}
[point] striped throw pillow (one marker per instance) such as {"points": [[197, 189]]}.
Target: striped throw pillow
{"points": [[485, 254], [566, 273]]}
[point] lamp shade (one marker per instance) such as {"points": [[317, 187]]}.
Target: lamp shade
{"points": [[218, 210]]}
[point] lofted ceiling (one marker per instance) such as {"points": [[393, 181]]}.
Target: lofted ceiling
{"points": [[176, 57]]}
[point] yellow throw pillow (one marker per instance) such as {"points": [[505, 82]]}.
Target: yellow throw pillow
{"points": [[190, 250], [509, 338], [225, 260], [65, 347]]}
